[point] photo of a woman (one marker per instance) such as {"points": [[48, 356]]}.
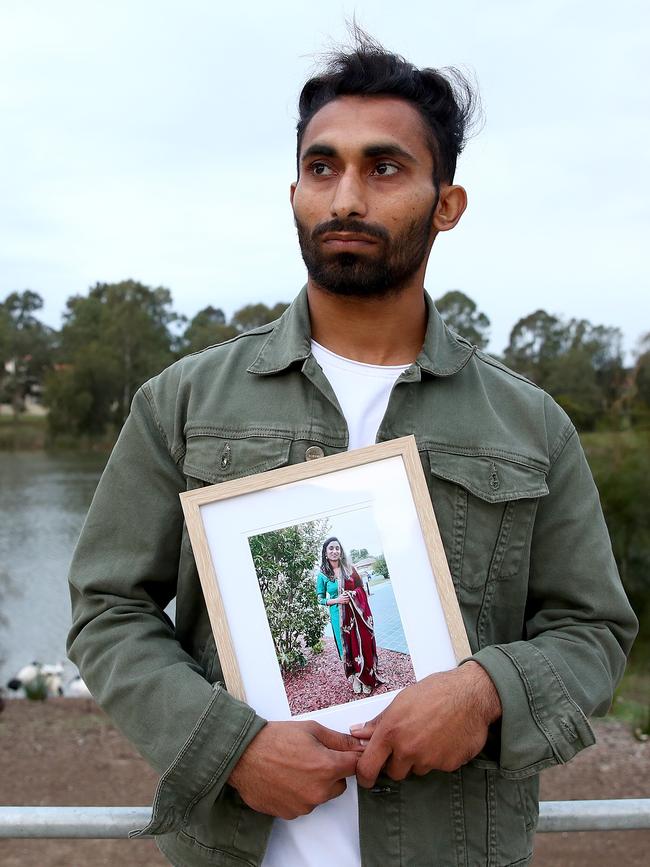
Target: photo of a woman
{"points": [[332, 648], [340, 588]]}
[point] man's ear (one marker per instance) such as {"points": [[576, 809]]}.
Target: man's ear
{"points": [[451, 204], [292, 191]]}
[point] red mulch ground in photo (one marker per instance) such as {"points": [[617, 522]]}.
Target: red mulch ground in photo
{"points": [[321, 683]]}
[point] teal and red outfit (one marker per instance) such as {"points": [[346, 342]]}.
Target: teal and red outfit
{"points": [[352, 625]]}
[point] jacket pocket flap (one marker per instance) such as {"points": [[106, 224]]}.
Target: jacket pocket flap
{"points": [[492, 479], [217, 457]]}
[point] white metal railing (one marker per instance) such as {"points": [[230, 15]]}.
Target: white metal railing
{"points": [[112, 822]]}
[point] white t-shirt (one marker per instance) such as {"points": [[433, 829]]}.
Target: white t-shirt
{"points": [[330, 834], [362, 390]]}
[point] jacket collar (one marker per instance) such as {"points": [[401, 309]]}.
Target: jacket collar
{"points": [[443, 353]]}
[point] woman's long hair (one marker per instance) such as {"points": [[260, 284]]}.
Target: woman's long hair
{"points": [[325, 566]]}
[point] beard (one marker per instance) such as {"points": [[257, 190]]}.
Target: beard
{"points": [[357, 275]]}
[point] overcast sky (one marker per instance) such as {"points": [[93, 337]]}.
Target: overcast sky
{"points": [[155, 140]]}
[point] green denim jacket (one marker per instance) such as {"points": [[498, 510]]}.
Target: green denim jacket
{"points": [[527, 547]]}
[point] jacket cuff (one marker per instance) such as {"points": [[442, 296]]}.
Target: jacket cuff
{"points": [[541, 725], [204, 763]]}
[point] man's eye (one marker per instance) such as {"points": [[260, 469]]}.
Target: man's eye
{"points": [[321, 169], [386, 169]]}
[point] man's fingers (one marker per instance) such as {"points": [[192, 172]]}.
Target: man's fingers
{"points": [[371, 763], [336, 740], [344, 764], [398, 769], [365, 730]]}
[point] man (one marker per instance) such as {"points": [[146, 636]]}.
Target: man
{"points": [[448, 773]]}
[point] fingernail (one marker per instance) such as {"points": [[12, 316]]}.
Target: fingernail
{"points": [[363, 743], [356, 727]]}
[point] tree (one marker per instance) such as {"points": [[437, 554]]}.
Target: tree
{"points": [[112, 341], [580, 364], [254, 315], [571, 379], [205, 329], [357, 554], [380, 566], [535, 341], [602, 347], [26, 347], [5, 334], [641, 377], [462, 315], [284, 562], [209, 326]]}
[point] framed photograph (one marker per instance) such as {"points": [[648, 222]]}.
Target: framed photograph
{"points": [[326, 583]]}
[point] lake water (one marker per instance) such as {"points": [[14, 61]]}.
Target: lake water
{"points": [[43, 501]]}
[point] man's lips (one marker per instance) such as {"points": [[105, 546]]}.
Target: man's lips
{"points": [[347, 240]]}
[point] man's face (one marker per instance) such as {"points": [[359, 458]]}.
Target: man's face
{"points": [[365, 199]]}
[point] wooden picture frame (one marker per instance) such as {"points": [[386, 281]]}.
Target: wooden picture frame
{"points": [[377, 493]]}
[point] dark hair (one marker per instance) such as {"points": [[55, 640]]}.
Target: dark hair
{"points": [[325, 566], [445, 98]]}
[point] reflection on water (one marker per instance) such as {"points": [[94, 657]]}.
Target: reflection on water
{"points": [[43, 501]]}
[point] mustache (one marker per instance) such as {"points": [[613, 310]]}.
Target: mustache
{"points": [[373, 230]]}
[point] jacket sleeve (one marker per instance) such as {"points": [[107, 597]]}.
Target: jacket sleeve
{"points": [[123, 574], [579, 626]]}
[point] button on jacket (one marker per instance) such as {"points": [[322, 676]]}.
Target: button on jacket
{"points": [[527, 547]]}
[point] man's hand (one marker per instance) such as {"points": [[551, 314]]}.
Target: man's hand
{"points": [[439, 723], [291, 767]]}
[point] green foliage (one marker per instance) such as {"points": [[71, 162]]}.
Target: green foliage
{"points": [[22, 433], [112, 341], [632, 699], [580, 364], [5, 334], [381, 567], [207, 328], [284, 562], [254, 315], [620, 463], [639, 394], [357, 554], [462, 316], [642, 379], [535, 342], [571, 379], [26, 348]]}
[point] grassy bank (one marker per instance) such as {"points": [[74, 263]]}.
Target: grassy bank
{"points": [[28, 433], [23, 433], [631, 703]]}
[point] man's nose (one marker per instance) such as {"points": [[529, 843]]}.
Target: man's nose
{"points": [[349, 198]]}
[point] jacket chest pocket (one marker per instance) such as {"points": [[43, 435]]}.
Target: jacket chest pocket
{"points": [[215, 455], [212, 456], [485, 508]]}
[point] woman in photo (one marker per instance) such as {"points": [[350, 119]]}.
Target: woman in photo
{"points": [[340, 588]]}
